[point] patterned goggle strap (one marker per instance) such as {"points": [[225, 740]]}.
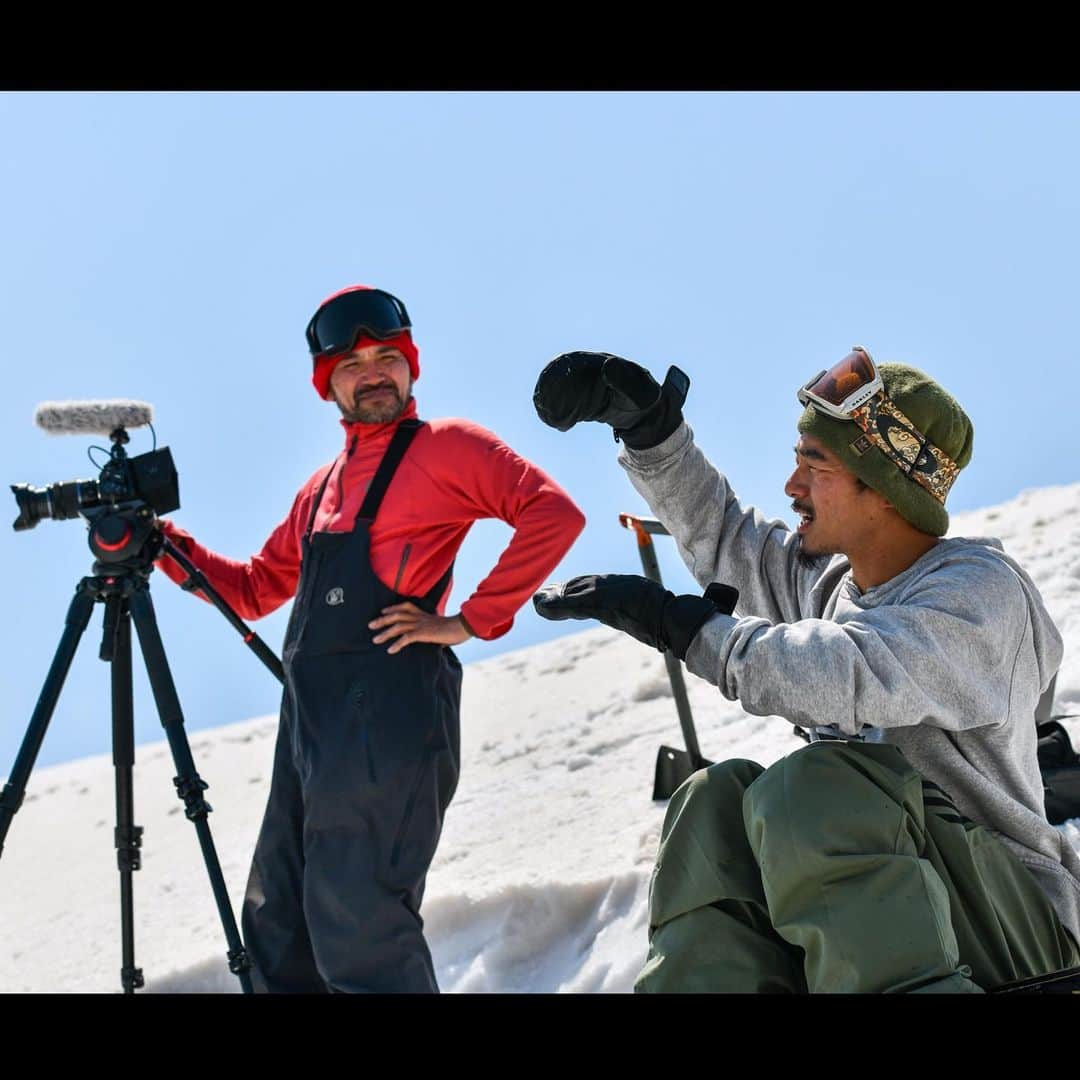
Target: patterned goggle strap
{"points": [[887, 428]]}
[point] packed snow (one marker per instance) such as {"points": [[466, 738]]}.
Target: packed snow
{"points": [[541, 879]]}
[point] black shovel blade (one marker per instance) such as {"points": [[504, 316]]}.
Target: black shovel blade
{"points": [[673, 769]]}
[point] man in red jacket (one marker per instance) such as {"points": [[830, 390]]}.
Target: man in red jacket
{"points": [[367, 756]]}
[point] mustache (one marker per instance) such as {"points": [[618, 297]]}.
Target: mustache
{"points": [[364, 390], [801, 508]]}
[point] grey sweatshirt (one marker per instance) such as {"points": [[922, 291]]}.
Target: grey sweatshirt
{"points": [[946, 661]]}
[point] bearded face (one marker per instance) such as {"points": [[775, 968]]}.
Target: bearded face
{"points": [[372, 385]]}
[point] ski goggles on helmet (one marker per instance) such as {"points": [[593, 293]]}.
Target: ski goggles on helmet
{"points": [[852, 389], [342, 321]]}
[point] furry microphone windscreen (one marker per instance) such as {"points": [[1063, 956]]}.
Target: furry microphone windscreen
{"points": [[91, 417]]}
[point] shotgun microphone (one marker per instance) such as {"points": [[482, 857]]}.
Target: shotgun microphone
{"points": [[91, 417]]}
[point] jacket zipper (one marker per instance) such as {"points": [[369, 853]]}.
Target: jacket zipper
{"points": [[401, 567], [341, 474]]}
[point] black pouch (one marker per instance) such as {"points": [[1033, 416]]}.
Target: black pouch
{"points": [[1060, 768]]}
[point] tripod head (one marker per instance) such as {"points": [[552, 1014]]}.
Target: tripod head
{"points": [[124, 538]]}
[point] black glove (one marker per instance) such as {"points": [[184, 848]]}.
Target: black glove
{"points": [[599, 386], [639, 607]]}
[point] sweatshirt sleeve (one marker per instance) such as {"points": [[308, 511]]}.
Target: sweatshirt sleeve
{"points": [[492, 481], [717, 538], [253, 588], [944, 655]]}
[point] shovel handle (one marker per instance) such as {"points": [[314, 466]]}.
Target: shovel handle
{"points": [[645, 528]]}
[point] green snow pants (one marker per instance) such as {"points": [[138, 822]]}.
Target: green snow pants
{"points": [[838, 870]]}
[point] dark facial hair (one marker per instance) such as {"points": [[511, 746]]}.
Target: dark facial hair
{"points": [[807, 559], [375, 411]]}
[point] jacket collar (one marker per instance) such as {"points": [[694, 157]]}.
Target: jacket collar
{"points": [[374, 432]]}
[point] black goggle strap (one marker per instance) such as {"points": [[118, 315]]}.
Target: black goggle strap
{"points": [[887, 428]]}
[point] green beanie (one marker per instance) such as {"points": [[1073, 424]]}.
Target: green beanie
{"points": [[933, 411]]}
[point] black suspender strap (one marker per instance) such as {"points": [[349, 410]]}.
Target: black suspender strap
{"points": [[402, 437], [434, 594], [380, 483], [318, 500], [406, 432]]}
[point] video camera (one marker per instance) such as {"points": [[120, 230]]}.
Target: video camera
{"points": [[122, 503], [151, 477]]}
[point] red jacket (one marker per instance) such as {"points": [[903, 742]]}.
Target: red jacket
{"points": [[454, 473]]}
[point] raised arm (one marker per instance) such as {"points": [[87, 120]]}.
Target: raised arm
{"points": [[718, 538]]}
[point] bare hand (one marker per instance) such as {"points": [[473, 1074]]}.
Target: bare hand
{"points": [[409, 624]]}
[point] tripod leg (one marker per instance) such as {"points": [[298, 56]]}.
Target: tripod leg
{"points": [[128, 834], [77, 617], [189, 784]]}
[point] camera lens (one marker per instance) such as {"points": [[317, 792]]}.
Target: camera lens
{"points": [[33, 505], [69, 498], [57, 501]]}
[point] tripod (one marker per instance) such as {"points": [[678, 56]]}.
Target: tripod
{"points": [[127, 538]]}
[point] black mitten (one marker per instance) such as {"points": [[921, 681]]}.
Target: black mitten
{"points": [[578, 386], [637, 606]]}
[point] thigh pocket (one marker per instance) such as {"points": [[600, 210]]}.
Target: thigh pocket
{"points": [[360, 721]]}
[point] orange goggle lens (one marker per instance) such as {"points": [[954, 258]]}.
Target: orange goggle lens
{"points": [[844, 379]]}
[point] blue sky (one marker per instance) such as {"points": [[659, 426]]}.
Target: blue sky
{"points": [[170, 247]]}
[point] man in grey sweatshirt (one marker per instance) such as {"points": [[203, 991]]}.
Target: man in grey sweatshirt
{"points": [[906, 849]]}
